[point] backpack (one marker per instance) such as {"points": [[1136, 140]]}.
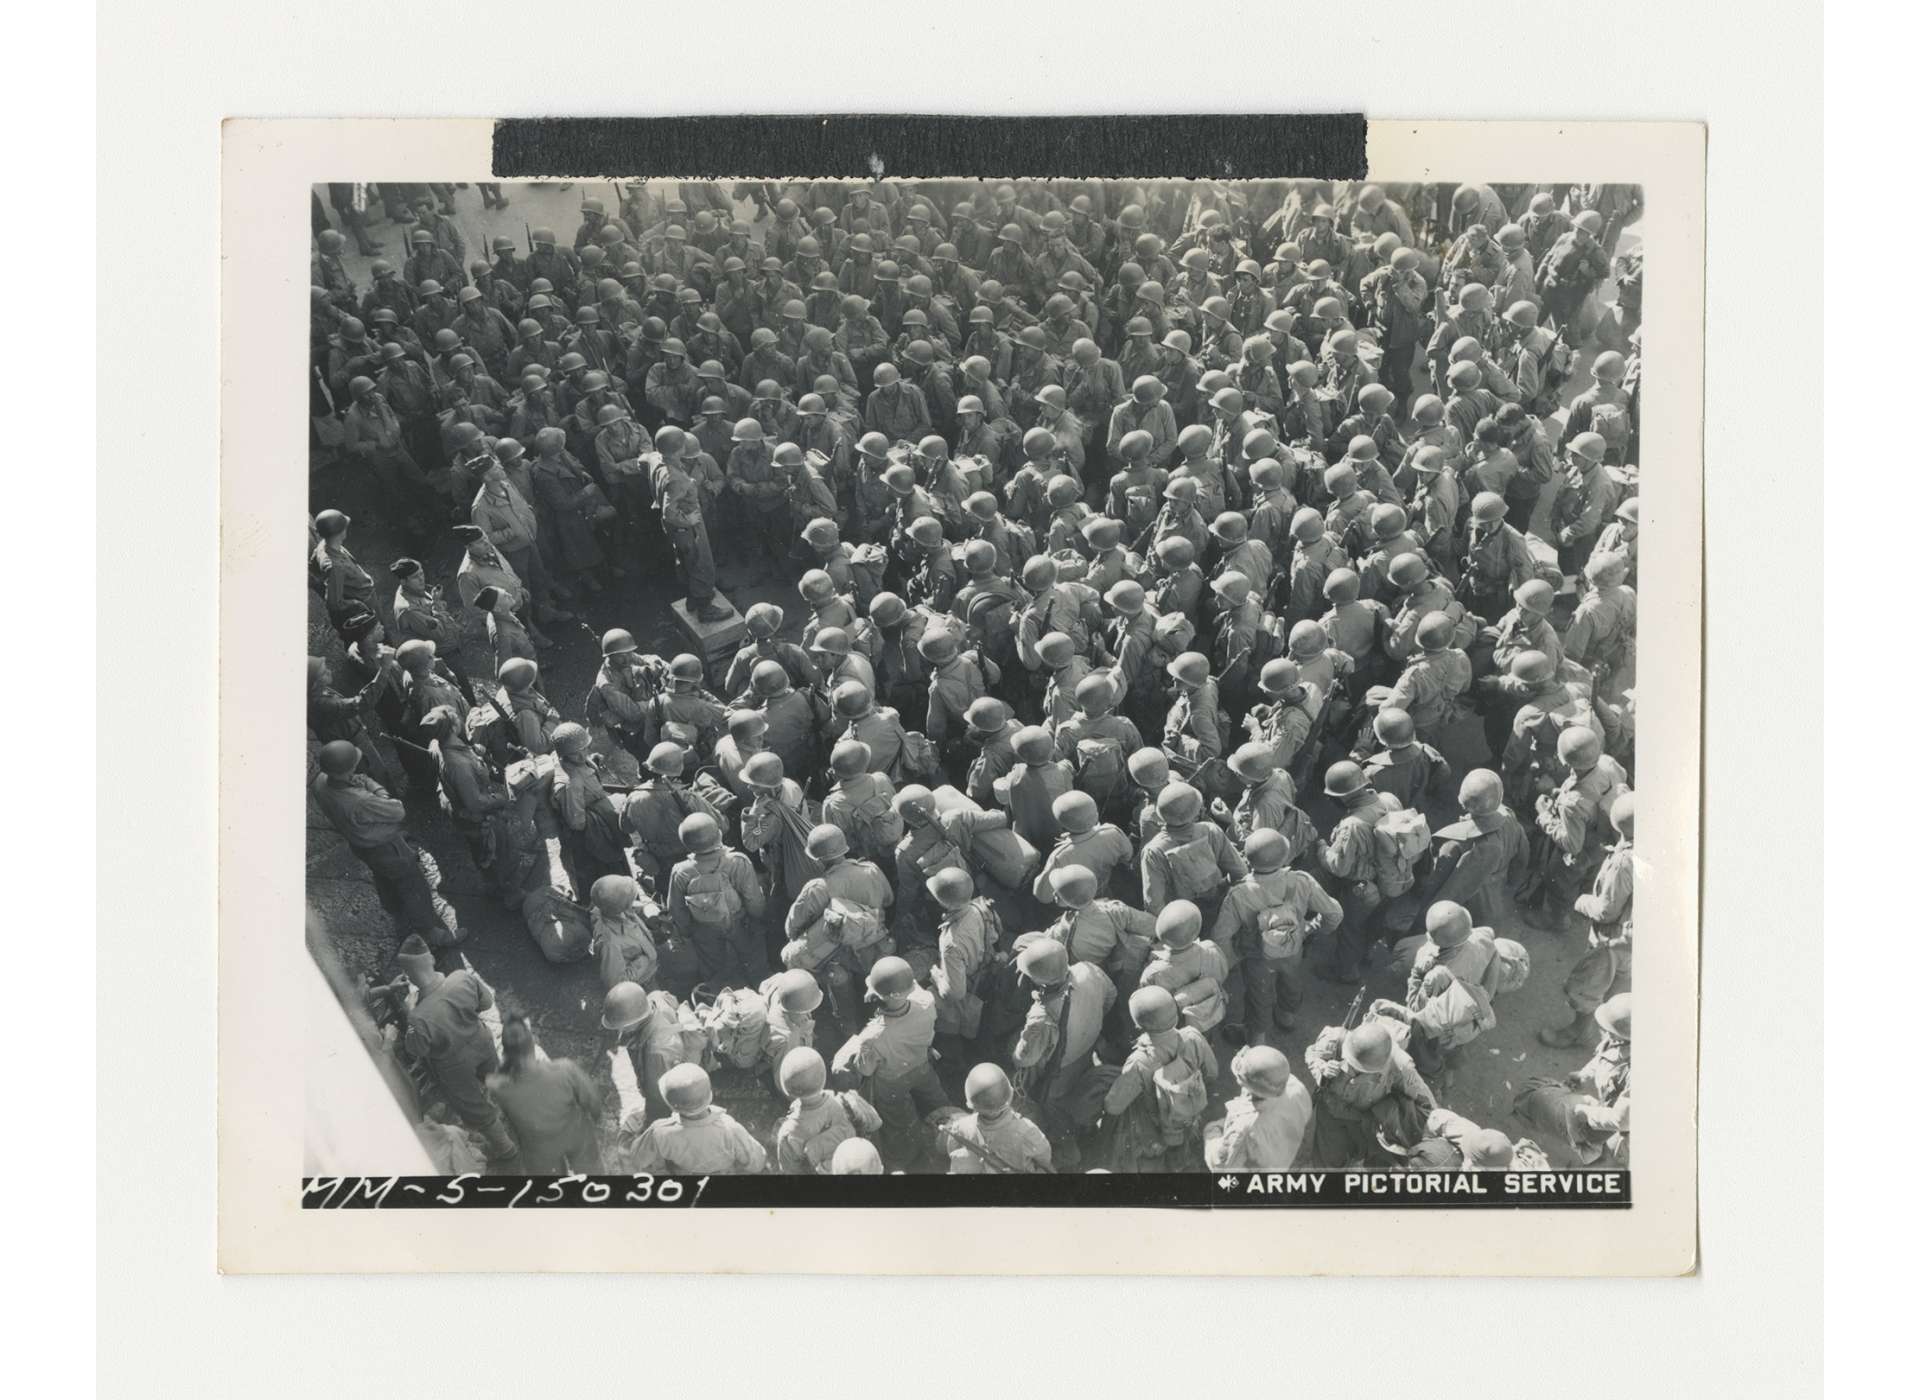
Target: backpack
{"points": [[861, 926], [1511, 964], [695, 1044], [1099, 767], [1612, 422], [876, 826], [1556, 368], [1179, 1097], [711, 897], [1400, 839], [1282, 934], [492, 734], [867, 566], [1020, 544], [562, 929], [736, 1025], [1196, 872]]}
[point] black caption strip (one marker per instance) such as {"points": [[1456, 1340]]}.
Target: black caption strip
{"points": [[1558, 1190], [1331, 146]]}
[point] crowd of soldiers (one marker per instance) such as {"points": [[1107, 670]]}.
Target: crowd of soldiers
{"points": [[1128, 522]]}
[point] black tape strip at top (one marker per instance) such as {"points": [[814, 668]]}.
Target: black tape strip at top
{"points": [[1241, 146]]}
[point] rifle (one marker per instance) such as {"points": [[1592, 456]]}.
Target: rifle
{"points": [[1354, 1010]]}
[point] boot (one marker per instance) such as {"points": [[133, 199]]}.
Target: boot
{"points": [[1571, 1036], [712, 611]]}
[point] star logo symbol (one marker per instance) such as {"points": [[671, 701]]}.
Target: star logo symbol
{"points": [[1226, 1183]]}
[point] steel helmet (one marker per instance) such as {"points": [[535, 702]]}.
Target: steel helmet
{"points": [[613, 894], [1153, 1008], [1234, 586], [1190, 668], [1344, 779], [1535, 595], [1407, 571], [1268, 850], [517, 673], [795, 991], [1579, 747], [890, 977], [988, 1090], [625, 1005], [1095, 691], [1178, 804], [1531, 668], [1523, 314], [1481, 792], [667, 759], [938, 646], [1610, 367], [1344, 342], [1475, 297], [1590, 447], [850, 758], [951, 887], [816, 586], [1342, 586], [827, 842], [764, 769], [1435, 632], [338, 758], [1393, 726], [1280, 676], [1148, 767], [988, 715], [1448, 924], [789, 456], [1253, 763], [1034, 745], [1629, 510], [1178, 924], [1463, 374], [1127, 598], [1076, 811], [1043, 961], [1368, 1048], [686, 1088], [1308, 525], [1136, 443], [1262, 1070], [851, 699], [1148, 387], [979, 557], [1615, 1015], [1622, 814], [1589, 221], [770, 679], [1488, 508], [802, 1071], [1388, 520]]}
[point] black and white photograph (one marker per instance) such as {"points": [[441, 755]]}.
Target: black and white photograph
{"points": [[991, 678]]}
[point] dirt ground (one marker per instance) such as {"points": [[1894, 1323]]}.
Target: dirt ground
{"points": [[562, 1002]]}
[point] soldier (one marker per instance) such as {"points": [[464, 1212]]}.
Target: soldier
{"points": [[1605, 409], [1592, 1108], [891, 1053], [1607, 907], [1267, 1125], [655, 811], [1571, 270], [1573, 820], [622, 944], [698, 1139], [818, 1122], [715, 900], [373, 825], [1482, 857], [1404, 765], [444, 1030], [1365, 1087], [987, 728], [995, 1139], [1584, 502], [1157, 1103], [1053, 1050]]}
